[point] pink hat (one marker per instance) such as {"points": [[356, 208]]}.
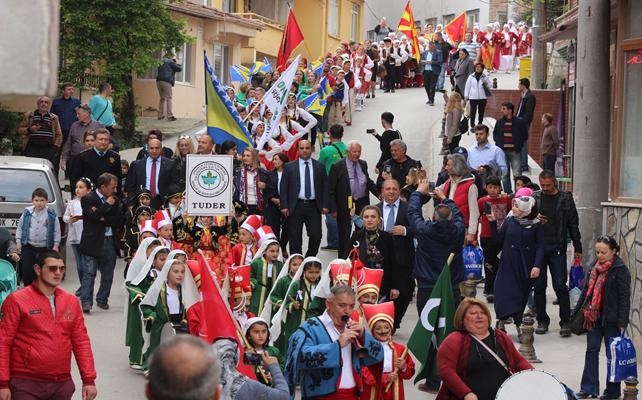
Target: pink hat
{"points": [[524, 192]]}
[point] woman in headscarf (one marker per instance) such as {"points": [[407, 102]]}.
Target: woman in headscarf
{"points": [[238, 386], [521, 237]]}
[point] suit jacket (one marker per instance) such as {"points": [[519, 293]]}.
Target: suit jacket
{"points": [[137, 175], [291, 185], [338, 188], [403, 245], [526, 108], [96, 216], [90, 165], [391, 277]]}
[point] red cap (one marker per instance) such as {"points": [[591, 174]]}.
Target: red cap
{"points": [[378, 312]]}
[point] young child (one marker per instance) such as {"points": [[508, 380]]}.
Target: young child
{"points": [[167, 301], [174, 201], [499, 205], [143, 198], [73, 219], [133, 232], [397, 362], [124, 168], [367, 292], [165, 229], [257, 336], [136, 289], [243, 252], [38, 229], [240, 293], [264, 271]]}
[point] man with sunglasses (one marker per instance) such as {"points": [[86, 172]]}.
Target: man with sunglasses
{"points": [[40, 326]]}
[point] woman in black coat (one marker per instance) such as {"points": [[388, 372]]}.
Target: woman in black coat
{"points": [[272, 200], [606, 314], [376, 250]]}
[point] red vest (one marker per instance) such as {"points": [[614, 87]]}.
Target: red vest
{"points": [[461, 196]]}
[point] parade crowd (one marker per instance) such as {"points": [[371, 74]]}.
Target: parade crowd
{"points": [[326, 330]]}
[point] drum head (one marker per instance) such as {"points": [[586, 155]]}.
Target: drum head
{"points": [[531, 385], [167, 332]]}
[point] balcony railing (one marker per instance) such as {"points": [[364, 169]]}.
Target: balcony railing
{"points": [[265, 20]]}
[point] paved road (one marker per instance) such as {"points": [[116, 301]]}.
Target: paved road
{"points": [[419, 125]]}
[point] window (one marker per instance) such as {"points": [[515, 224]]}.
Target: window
{"points": [[207, 3], [502, 17], [19, 190], [472, 18], [333, 17], [447, 18], [228, 5], [151, 72], [632, 26], [185, 57], [354, 22], [631, 140], [221, 62], [275, 10]]}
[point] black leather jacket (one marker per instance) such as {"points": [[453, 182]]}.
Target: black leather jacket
{"points": [[566, 219]]}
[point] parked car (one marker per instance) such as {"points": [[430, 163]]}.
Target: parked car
{"points": [[19, 176]]}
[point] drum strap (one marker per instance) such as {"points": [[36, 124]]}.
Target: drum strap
{"points": [[489, 350]]}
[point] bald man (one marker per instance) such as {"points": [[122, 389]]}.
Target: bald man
{"points": [[153, 173], [184, 367], [205, 144], [40, 133]]}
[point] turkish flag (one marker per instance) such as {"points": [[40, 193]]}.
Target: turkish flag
{"points": [[456, 29], [292, 37]]}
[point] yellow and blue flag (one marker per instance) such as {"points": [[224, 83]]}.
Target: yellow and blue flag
{"points": [[261, 67], [325, 89], [317, 67], [239, 73], [314, 104], [223, 121]]}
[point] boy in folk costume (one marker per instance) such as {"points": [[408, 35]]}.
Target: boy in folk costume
{"points": [[166, 302], [265, 269], [174, 201], [165, 229], [133, 233], [240, 293], [367, 293], [243, 252], [397, 362]]}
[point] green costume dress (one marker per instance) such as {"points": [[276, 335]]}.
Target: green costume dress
{"points": [[134, 331], [278, 297], [300, 291], [261, 283], [263, 374]]}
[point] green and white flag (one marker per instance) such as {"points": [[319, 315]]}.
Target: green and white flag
{"points": [[435, 323]]}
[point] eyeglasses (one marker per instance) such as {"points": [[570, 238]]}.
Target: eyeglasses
{"points": [[56, 268], [43, 101]]}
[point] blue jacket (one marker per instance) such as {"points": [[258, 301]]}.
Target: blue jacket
{"points": [[26, 224], [436, 62], [520, 133], [314, 360], [435, 241], [167, 70], [65, 109]]}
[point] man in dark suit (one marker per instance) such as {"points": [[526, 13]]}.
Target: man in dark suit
{"points": [[525, 111], [302, 193], [348, 178], [102, 217], [93, 162], [395, 221], [153, 173]]}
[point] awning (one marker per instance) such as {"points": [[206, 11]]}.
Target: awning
{"points": [[199, 10]]}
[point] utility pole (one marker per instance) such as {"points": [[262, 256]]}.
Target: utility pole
{"points": [[538, 65], [592, 121]]}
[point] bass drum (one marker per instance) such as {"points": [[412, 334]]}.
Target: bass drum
{"points": [[531, 385]]}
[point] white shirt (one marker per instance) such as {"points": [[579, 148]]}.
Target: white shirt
{"points": [[248, 255], [252, 198], [104, 200], [347, 378], [173, 301], [279, 174], [302, 175], [387, 357]]}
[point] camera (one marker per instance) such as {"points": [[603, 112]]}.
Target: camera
{"points": [[387, 168], [252, 359], [370, 131]]}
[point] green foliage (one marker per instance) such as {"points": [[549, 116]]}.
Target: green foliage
{"points": [[116, 39], [9, 138], [553, 9]]}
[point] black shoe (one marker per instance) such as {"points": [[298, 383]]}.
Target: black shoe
{"points": [[565, 331], [490, 298], [393, 90], [609, 397], [86, 308], [171, 118], [542, 328], [583, 395], [427, 388], [329, 248], [387, 91], [104, 306]]}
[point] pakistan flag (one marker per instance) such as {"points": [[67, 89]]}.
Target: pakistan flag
{"points": [[435, 323]]}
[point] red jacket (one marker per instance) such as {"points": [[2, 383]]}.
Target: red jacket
{"points": [[396, 391], [35, 345], [461, 196], [452, 361]]}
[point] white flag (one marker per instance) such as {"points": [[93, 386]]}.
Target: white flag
{"points": [[276, 98]]}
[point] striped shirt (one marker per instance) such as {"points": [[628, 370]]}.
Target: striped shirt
{"points": [[472, 48], [509, 144], [44, 135]]}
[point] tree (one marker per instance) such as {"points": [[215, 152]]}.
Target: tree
{"points": [[116, 39]]}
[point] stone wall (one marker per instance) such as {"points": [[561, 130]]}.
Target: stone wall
{"points": [[624, 223]]}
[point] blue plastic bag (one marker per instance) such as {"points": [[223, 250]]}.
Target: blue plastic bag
{"points": [[622, 362], [473, 261], [576, 277]]}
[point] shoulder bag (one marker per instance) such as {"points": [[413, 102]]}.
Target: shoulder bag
{"points": [[492, 353], [576, 323]]}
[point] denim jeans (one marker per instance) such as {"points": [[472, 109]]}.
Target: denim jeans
{"points": [[514, 163], [590, 377], [105, 265], [80, 260], [332, 230], [442, 78], [523, 155], [555, 260]]}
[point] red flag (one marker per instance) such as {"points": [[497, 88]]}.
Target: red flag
{"points": [[217, 316], [292, 37], [456, 29], [407, 26]]}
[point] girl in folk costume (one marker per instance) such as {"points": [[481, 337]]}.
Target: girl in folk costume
{"points": [[265, 270], [487, 47], [143, 198], [507, 43], [166, 302], [363, 73], [240, 293], [409, 66], [257, 335], [174, 201], [525, 41], [165, 228], [352, 82], [243, 252], [337, 100], [133, 233], [137, 283], [397, 363], [290, 131], [301, 116], [498, 37], [249, 181]]}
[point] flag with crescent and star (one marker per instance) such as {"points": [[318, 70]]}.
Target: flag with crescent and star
{"points": [[435, 323]]}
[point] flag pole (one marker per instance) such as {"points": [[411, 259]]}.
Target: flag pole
{"points": [[254, 105], [396, 371]]}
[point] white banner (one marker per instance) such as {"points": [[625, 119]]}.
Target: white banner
{"points": [[276, 98], [209, 185]]}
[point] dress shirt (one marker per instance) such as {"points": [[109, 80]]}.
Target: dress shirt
{"points": [[98, 152], [361, 179], [347, 378], [302, 179], [104, 200], [173, 301], [387, 357], [279, 174], [386, 211], [148, 174], [427, 56], [488, 154]]}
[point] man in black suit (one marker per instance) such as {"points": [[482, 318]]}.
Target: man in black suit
{"points": [[348, 178], [93, 162], [525, 111], [302, 193], [102, 217], [153, 173], [395, 221]]}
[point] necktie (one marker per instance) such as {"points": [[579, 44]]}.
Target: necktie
{"points": [[308, 181], [355, 181], [390, 221], [102, 153], [152, 179]]}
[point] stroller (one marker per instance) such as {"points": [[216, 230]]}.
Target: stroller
{"points": [[8, 282]]}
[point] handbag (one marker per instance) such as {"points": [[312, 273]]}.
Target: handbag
{"points": [[622, 361], [463, 125], [576, 323], [487, 91]]}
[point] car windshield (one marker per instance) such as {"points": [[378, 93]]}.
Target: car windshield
{"points": [[17, 185]]}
